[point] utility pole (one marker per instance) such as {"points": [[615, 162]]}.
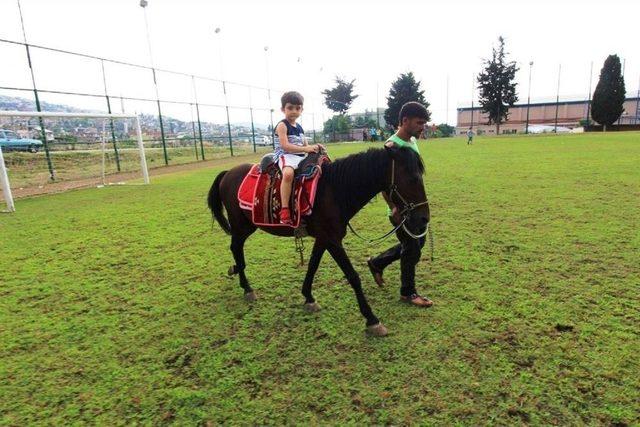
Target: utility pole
{"points": [[555, 127], [526, 129]]}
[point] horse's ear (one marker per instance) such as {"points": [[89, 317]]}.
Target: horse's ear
{"points": [[392, 149]]}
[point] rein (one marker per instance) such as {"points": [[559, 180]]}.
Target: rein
{"points": [[408, 207]]}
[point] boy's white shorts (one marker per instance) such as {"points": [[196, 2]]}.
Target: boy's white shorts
{"points": [[290, 160]]}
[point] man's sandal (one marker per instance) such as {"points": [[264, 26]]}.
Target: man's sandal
{"points": [[417, 300]]}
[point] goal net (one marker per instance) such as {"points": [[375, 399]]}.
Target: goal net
{"points": [[51, 152]]}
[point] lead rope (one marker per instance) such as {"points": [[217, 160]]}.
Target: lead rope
{"points": [[300, 249]]}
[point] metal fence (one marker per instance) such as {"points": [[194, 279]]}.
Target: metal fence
{"points": [[218, 113]]}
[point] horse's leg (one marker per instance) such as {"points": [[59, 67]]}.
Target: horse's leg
{"points": [[338, 253], [237, 248], [310, 303]]}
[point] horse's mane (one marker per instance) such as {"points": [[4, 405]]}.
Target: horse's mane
{"points": [[355, 179]]}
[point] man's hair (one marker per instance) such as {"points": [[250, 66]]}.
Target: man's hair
{"points": [[293, 98], [412, 110]]}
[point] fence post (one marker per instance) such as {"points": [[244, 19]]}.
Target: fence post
{"points": [[253, 130], [195, 97], [313, 122], [113, 133], [193, 130], [164, 143], [226, 106], [52, 174]]}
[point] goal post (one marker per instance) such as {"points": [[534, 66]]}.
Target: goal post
{"points": [[4, 179], [6, 188]]}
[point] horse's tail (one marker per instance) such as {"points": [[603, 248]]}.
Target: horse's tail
{"points": [[215, 203]]}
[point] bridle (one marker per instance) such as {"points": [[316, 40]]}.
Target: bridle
{"points": [[408, 206], [405, 213]]}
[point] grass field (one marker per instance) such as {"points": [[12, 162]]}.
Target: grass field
{"points": [[115, 307]]}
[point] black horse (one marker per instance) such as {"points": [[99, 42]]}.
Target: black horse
{"points": [[345, 187]]}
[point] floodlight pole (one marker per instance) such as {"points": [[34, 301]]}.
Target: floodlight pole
{"points": [[52, 173], [143, 5], [224, 90], [589, 95], [377, 101], [447, 113], [526, 131], [555, 128], [266, 62], [473, 84]]}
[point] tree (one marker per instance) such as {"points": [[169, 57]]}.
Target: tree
{"points": [[339, 98], [497, 86], [365, 122], [337, 124], [445, 130], [404, 89], [608, 98]]}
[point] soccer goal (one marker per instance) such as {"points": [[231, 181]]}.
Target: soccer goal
{"points": [[95, 144]]}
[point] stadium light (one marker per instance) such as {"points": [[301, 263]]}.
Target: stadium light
{"points": [[266, 63]]}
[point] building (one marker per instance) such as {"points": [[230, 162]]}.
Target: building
{"points": [[570, 113]]}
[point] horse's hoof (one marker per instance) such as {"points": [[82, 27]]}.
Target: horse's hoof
{"points": [[250, 296], [312, 307], [377, 330]]}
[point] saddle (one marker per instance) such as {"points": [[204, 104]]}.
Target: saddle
{"points": [[260, 190]]}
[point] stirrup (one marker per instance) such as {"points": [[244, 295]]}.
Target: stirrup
{"points": [[286, 220]]}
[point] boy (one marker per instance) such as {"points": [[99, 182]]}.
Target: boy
{"points": [[470, 136], [291, 148], [413, 117]]}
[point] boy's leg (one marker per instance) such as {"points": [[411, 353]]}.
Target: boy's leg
{"points": [[285, 193]]}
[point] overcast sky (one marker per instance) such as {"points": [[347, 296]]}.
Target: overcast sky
{"points": [[369, 41]]}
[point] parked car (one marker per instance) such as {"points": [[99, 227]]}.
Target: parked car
{"points": [[264, 141], [9, 140]]}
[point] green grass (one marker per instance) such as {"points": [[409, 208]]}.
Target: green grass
{"points": [[115, 307]]}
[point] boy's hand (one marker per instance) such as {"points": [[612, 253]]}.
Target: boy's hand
{"points": [[313, 148]]}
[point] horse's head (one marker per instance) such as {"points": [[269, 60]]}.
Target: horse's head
{"points": [[406, 188]]}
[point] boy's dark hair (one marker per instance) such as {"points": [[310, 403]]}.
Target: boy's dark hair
{"points": [[293, 98], [412, 110]]}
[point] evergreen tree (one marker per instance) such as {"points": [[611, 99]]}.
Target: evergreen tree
{"points": [[608, 98], [497, 86], [404, 89], [339, 98]]}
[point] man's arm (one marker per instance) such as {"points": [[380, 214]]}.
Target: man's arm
{"points": [[395, 212]]}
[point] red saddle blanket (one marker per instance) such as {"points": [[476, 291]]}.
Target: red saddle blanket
{"points": [[260, 193]]}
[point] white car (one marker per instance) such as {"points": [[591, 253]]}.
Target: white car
{"points": [[265, 141]]}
